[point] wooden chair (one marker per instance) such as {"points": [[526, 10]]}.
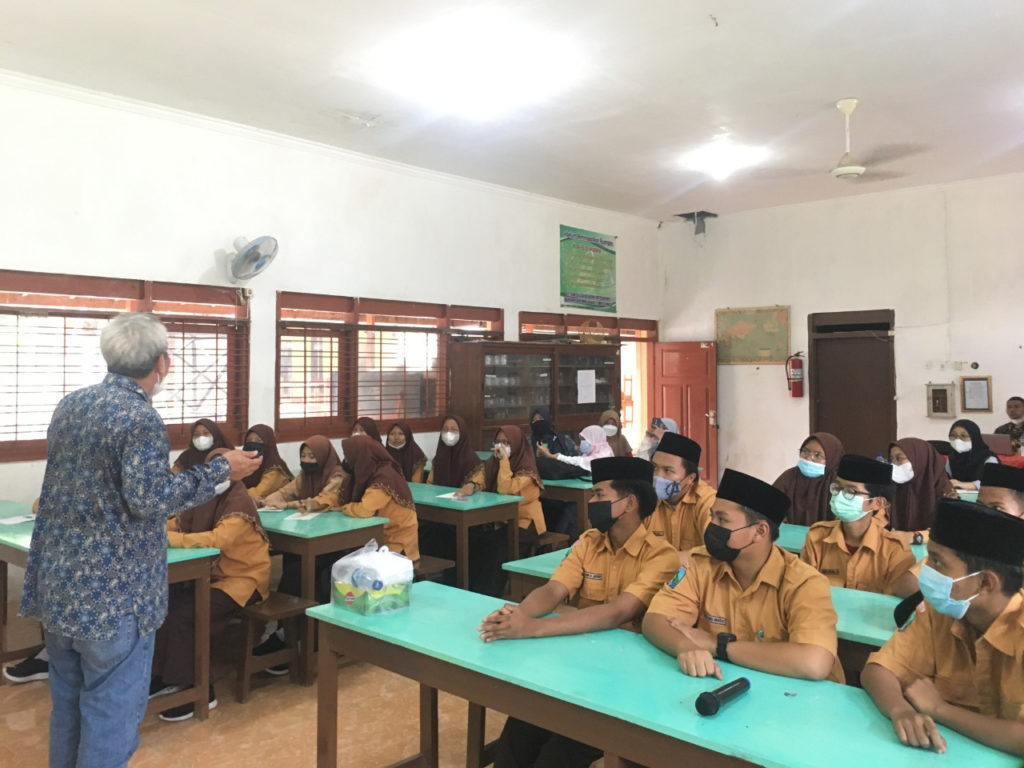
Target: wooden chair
{"points": [[289, 612], [429, 568], [549, 542]]}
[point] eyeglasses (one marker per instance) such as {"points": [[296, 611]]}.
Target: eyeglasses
{"points": [[835, 489], [812, 455]]}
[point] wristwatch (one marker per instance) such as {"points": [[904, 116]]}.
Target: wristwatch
{"points": [[722, 652]]}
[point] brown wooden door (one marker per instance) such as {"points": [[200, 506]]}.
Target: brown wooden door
{"points": [[852, 379], [684, 387]]}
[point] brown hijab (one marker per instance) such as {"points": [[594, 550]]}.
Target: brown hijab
{"points": [[410, 455], [913, 506], [271, 458], [192, 456], [521, 460], [369, 427], [373, 467], [234, 502], [328, 465], [454, 466], [809, 495], [620, 445]]}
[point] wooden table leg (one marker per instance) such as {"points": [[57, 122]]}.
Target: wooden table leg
{"points": [[462, 555], [327, 705], [475, 735], [428, 725], [202, 648], [512, 529], [307, 565]]}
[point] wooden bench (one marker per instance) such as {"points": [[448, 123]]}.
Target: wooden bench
{"points": [[289, 612], [549, 542], [429, 568]]}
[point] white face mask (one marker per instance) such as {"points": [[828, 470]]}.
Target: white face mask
{"points": [[158, 387], [505, 450], [202, 442], [450, 439], [396, 446], [610, 429], [961, 446], [1018, 422], [221, 487], [902, 473]]}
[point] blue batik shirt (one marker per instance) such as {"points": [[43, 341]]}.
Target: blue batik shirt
{"points": [[99, 547]]}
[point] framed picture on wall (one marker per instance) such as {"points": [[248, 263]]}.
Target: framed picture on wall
{"points": [[976, 394], [941, 400]]}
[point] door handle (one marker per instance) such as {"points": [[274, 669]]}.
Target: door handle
{"points": [[712, 417]]}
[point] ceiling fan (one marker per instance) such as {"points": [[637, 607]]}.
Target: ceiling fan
{"points": [[850, 168]]}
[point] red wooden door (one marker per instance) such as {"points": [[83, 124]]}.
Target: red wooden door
{"points": [[684, 387]]}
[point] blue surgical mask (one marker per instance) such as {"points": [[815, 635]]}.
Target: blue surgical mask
{"points": [[937, 589], [585, 447], [666, 489], [847, 510], [810, 468]]}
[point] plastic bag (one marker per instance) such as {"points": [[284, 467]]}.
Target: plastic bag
{"points": [[372, 580]]}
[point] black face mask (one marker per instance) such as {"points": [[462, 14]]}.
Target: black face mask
{"points": [[541, 428], [716, 540], [309, 467], [258, 447], [600, 515]]}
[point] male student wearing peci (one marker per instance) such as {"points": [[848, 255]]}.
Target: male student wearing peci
{"points": [[745, 600], [615, 568], [960, 663], [684, 500], [1002, 488]]}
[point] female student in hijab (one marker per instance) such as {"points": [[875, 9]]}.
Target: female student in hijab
{"points": [[612, 426], [273, 473], [404, 450], [808, 482], [659, 426], [318, 486], [378, 488], [970, 454], [364, 425], [512, 470], [455, 463], [205, 436], [594, 445], [542, 432], [919, 472], [240, 577]]}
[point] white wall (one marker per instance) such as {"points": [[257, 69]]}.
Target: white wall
{"points": [[947, 259], [95, 185]]}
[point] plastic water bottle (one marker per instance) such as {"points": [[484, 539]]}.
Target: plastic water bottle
{"points": [[365, 578]]}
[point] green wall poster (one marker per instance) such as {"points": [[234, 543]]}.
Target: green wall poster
{"points": [[587, 269]]}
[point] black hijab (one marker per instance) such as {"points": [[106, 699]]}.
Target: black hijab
{"points": [[967, 467]]}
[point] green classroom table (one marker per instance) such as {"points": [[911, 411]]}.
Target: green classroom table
{"points": [[575, 490], [479, 509], [327, 532], [183, 565], [791, 538], [610, 689]]}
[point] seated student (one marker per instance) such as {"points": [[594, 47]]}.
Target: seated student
{"points": [[745, 600], [364, 425], [970, 454], [684, 500], [1015, 426], [614, 570], [455, 463], [378, 488], [808, 482], [241, 576], [612, 426], [404, 450], [205, 436], [1002, 488], [594, 445], [542, 432], [960, 663], [856, 550], [512, 470], [660, 425], [919, 472], [273, 473]]}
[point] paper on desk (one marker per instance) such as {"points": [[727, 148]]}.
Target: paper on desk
{"points": [[452, 496], [15, 519], [303, 516]]}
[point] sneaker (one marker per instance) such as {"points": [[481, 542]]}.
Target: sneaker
{"points": [[280, 669], [28, 670], [185, 711], [157, 687], [270, 645]]}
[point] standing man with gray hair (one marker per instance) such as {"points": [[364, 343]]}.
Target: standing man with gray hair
{"points": [[96, 576]]}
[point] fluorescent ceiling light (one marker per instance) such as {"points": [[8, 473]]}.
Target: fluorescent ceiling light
{"points": [[479, 64], [721, 157]]}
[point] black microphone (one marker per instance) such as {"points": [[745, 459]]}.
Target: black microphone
{"points": [[709, 702]]}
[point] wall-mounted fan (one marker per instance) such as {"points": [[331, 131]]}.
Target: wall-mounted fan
{"points": [[251, 257]]}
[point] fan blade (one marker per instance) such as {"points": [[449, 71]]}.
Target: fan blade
{"points": [[871, 175], [886, 153], [772, 174]]}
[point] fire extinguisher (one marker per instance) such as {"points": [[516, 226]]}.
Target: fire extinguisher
{"points": [[795, 374]]}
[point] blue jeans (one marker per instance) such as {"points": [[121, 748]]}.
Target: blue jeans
{"points": [[99, 690]]}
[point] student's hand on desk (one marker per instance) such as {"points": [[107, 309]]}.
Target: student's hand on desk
{"points": [[698, 638], [699, 663], [506, 623], [265, 505], [917, 730], [467, 490]]}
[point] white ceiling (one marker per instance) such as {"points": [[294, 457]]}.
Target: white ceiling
{"points": [[939, 79]]}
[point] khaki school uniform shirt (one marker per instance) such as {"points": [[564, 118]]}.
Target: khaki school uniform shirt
{"points": [[788, 601], [596, 574], [683, 524], [328, 498], [274, 479], [526, 487], [880, 559], [980, 672], [243, 566], [401, 531]]}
